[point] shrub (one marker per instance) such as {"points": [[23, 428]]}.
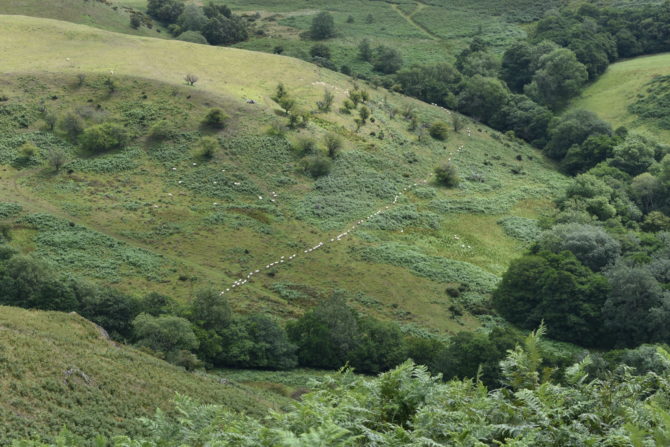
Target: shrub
{"points": [[208, 147], [446, 175], [333, 144], [103, 137], [135, 21], [326, 102], [439, 130], [191, 79], [28, 150], [215, 119], [320, 50], [161, 130], [193, 37], [70, 126], [323, 26], [316, 166], [56, 157]]}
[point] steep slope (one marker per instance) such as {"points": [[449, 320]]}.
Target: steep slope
{"points": [[178, 222], [59, 369]]}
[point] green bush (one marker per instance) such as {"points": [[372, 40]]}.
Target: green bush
{"points": [[103, 137], [446, 175], [193, 37], [316, 166], [215, 119], [439, 130], [161, 130]]}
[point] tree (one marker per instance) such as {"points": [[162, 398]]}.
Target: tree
{"points": [[556, 289], [215, 119], [70, 126], [591, 245], [634, 155], [482, 97], [103, 137], [192, 18], [380, 347], [439, 130], [637, 308], [582, 157], [559, 79], [56, 157], [165, 10], [135, 21], [320, 50], [364, 50], [333, 144], [647, 191], [516, 68], [316, 165], [573, 128], [446, 175], [327, 335], [191, 79], [323, 26], [208, 147], [164, 334], [325, 103], [386, 60], [210, 310], [364, 113], [108, 308], [256, 341], [28, 150], [432, 83], [221, 30], [528, 119]]}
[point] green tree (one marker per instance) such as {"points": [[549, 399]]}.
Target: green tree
{"points": [[210, 310], [70, 126], [559, 78], [325, 103], [103, 137], [482, 97], [333, 144], [165, 10], [573, 128], [634, 155], [320, 50], [215, 119], [447, 175], [590, 244], [365, 50], [192, 18], [386, 60], [164, 334], [323, 26], [439, 130]]}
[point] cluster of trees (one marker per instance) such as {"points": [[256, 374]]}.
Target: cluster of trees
{"points": [[601, 275], [537, 77], [214, 24], [407, 406]]}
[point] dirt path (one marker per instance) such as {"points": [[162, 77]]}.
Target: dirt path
{"points": [[409, 18]]}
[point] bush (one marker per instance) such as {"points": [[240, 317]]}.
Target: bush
{"points": [[439, 130], [135, 21], [208, 147], [320, 50], [161, 130], [103, 137], [215, 119], [70, 126], [446, 175], [316, 166], [193, 37], [323, 26], [387, 60], [333, 144], [28, 150]]}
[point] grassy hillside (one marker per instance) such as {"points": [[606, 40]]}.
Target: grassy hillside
{"points": [[621, 87], [159, 217], [58, 369], [104, 14]]}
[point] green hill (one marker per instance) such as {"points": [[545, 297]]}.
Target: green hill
{"points": [[59, 369], [156, 216], [104, 14], [615, 94]]}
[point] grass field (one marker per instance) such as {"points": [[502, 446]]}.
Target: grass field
{"points": [[158, 217], [57, 369], [109, 16], [621, 86]]}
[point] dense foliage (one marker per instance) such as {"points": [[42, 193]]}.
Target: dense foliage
{"points": [[407, 406]]}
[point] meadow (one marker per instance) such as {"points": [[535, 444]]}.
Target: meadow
{"points": [[157, 216], [620, 88]]}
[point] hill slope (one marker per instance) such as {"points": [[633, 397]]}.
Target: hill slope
{"points": [[622, 86], [58, 369], [178, 222]]}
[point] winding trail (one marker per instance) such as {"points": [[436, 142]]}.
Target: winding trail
{"points": [[410, 19]]}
